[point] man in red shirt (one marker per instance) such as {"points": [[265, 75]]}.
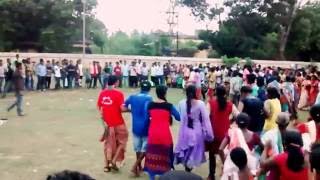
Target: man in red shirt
{"points": [[118, 72], [110, 104]]}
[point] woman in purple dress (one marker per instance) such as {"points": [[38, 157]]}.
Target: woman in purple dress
{"points": [[195, 129]]}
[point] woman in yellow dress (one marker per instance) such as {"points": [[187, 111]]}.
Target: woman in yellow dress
{"points": [[272, 108]]}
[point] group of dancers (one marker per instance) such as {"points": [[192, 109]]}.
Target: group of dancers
{"points": [[250, 121]]}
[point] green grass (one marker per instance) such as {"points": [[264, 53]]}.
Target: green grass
{"points": [[62, 131]]}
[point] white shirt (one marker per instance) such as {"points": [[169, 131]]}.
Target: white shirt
{"points": [[159, 71], [133, 71], [2, 71], [56, 70], [144, 71], [80, 67], [153, 71], [125, 70]]}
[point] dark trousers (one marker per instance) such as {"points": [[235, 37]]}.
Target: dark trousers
{"points": [[120, 81], [71, 78], [48, 82], [133, 81], [154, 80], [212, 165], [29, 83], [41, 85], [17, 103], [57, 80], [93, 82]]}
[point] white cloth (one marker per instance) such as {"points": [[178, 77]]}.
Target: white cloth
{"points": [[153, 71], [57, 71], [125, 70], [237, 140], [145, 71], [80, 69], [2, 71]]}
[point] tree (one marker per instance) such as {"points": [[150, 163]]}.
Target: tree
{"points": [[46, 25], [304, 39], [276, 16]]}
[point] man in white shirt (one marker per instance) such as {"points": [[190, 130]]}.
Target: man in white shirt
{"points": [[125, 73], [160, 74], [144, 72], [80, 72], [133, 78], [57, 75], [153, 74]]}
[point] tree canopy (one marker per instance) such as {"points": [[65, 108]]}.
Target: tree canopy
{"points": [[267, 29]]}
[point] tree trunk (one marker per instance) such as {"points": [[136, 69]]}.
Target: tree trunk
{"points": [[101, 49], [285, 31]]}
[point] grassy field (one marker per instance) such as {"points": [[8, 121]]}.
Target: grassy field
{"points": [[61, 130]]}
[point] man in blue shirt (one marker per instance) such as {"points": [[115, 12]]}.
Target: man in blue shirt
{"points": [[41, 71], [140, 124]]}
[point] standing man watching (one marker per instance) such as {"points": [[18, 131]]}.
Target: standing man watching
{"points": [[18, 87], [125, 73], [57, 75], [118, 73], [138, 104], [41, 71]]}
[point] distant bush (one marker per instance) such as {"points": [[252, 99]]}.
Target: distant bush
{"points": [[213, 54], [249, 61], [203, 46], [230, 61], [187, 52]]}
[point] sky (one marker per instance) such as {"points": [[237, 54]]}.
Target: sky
{"points": [[145, 16]]}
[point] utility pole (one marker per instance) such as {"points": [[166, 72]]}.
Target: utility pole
{"points": [[173, 23], [84, 28]]}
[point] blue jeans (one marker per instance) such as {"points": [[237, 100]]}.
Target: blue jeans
{"points": [[1, 83], [17, 103], [70, 81]]}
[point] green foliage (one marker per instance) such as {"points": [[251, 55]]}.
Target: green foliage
{"points": [[230, 61], [263, 29], [213, 54], [138, 44], [203, 46], [187, 52], [248, 61], [46, 25], [304, 39]]}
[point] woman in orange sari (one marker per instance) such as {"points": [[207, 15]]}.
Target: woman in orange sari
{"points": [[314, 89]]}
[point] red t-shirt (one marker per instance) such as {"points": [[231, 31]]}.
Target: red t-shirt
{"points": [[285, 172], [117, 71], [110, 102]]}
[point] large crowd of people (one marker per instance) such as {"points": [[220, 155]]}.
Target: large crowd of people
{"points": [[248, 117]]}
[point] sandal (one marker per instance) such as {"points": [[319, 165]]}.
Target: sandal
{"points": [[114, 167], [106, 169]]}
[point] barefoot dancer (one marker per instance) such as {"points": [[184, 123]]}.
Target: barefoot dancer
{"points": [[110, 103]]}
